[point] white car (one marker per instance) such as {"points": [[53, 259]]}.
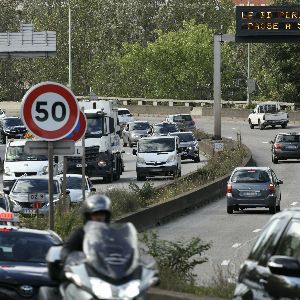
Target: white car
{"points": [[74, 185], [124, 116]]}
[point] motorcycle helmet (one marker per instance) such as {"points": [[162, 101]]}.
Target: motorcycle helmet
{"points": [[96, 203]]}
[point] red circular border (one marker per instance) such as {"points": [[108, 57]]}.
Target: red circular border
{"points": [[47, 134], [79, 134]]}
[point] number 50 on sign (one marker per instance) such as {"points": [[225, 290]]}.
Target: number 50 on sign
{"points": [[50, 111]]}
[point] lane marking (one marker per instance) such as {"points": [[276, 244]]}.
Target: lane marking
{"points": [[233, 128], [294, 203], [225, 262], [257, 230], [236, 245], [265, 142], [230, 137]]}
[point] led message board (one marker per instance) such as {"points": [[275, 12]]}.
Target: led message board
{"points": [[266, 24]]}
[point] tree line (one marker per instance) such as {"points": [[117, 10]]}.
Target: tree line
{"points": [[149, 48]]}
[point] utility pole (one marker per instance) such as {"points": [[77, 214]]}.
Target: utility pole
{"points": [[248, 70]]}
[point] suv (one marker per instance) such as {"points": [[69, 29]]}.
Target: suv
{"points": [[11, 127], [285, 146], [133, 131], [183, 121], [163, 128]]}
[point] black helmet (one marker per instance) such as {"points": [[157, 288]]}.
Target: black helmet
{"points": [[94, 203]]}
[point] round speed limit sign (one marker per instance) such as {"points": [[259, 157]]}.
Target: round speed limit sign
{"points": [[50, 111]]}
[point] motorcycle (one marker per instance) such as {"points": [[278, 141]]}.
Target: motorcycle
{"points": [[109, 267]]}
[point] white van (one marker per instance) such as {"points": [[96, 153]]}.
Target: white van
{"points": [[124, 116], [158, 156], [17, 163]]}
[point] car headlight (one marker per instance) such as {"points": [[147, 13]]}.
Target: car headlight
{"points": [[45, 170], [171, 158], [101, 163], [140, 160], [7, 171]]}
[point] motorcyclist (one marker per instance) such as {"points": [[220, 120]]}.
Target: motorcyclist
{"points": [[96, 207]]}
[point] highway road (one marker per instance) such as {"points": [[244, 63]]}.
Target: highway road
{"points": [[232, 236]]}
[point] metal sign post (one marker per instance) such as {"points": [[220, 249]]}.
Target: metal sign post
{"points": [[50, 185], [83, 163]]}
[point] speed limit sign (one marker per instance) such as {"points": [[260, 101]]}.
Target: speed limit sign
{"points": [[50, 111]]}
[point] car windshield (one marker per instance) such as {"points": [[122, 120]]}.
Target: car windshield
{"points": [[25, 247], [165, 128], [123, 112], [185, 137], [288, 138], [140, 126], [248, 176], [75, 183], [13, 122], [94, 127], [17, 153], [34, 186], [182, 118], [156, 145]]}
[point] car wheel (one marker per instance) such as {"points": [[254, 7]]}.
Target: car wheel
{"points": [[124, 144], [278, 208], [109, 178], [283, 125], [273, 126], [251, 125], [140, 178], [272, 209], [179, 173], [197, 159], [230, 209], [130, 144], [3, 139], [260, 125], [274, 159]]}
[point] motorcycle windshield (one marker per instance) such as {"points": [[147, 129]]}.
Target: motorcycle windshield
{"points": [[111, 250]]}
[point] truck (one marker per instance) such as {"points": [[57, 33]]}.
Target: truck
{"points": [[17, 163], [103, 149], [268, 114]]}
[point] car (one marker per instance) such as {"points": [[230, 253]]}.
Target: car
{"points": [[133, 131], [250, 187], [124, 116], [272, 269], [74, 186], [285, 146], [11, 127], [188, 144], [23, 264], [183, 121], [30, 194], [163, 128], [157, 156]]}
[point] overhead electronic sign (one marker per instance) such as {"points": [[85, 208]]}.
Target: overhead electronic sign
{"points": [[264, 24]]}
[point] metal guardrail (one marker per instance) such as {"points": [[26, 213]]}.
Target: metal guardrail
{"points": [[173, 102]]}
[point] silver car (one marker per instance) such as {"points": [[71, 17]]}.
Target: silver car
{"points": [[133, 131], [250, 187]]}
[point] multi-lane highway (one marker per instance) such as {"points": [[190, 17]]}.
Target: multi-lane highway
{"points": [[233, 235]]}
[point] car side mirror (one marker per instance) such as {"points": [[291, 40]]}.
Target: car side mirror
{"points": [[284, 265], [67, 192], [134, 151], [279, 182], [93, 189], [6, 190]]}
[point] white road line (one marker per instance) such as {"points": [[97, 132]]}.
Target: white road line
{"points": [[233, 128], [265, 142], [236, 245], [294, 203], [230, 137], [257, 230], [225, 262]]}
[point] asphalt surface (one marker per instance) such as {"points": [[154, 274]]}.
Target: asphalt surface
{"points": [[232, 236]]}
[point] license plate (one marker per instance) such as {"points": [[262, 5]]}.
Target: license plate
{"points": [[291, 147], [250, 194], [80, 165], [29, 211], [36, 197]]}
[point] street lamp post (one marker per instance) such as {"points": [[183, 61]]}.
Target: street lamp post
{"points": [[70, 49], [248, 70]]}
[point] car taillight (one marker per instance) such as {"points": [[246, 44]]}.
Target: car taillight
{"points": [[271, 188], [37, 205], [277, 146], [229, 188]]}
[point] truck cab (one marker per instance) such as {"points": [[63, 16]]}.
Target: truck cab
{"points": [[103, 150]]}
